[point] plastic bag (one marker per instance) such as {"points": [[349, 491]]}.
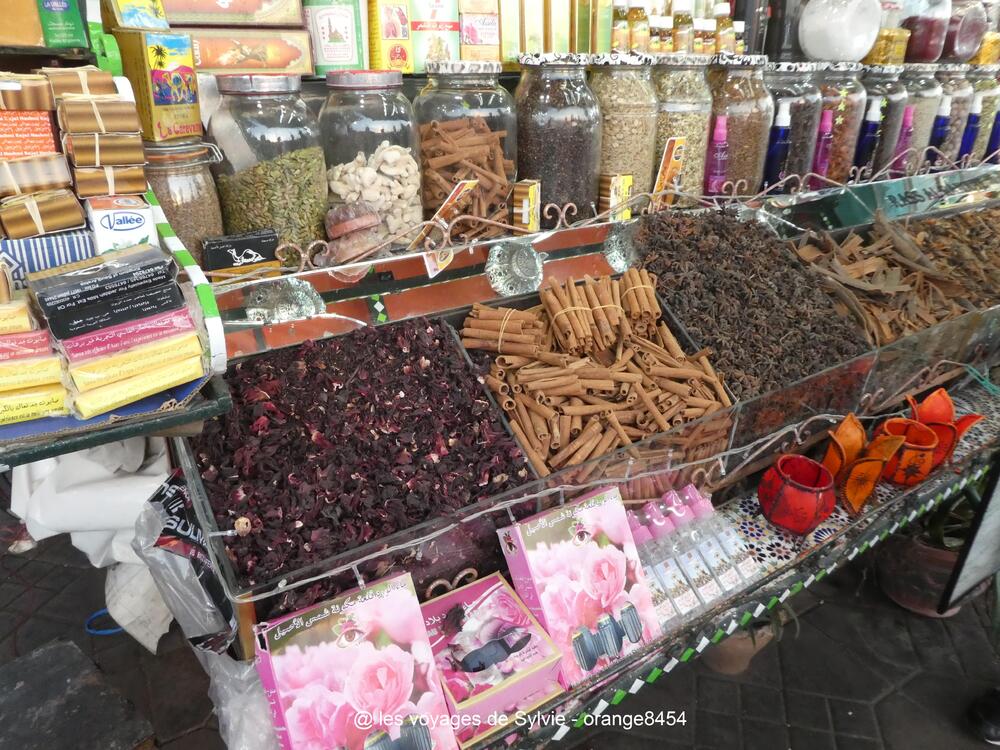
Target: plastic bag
{"points": [[240, 703]]}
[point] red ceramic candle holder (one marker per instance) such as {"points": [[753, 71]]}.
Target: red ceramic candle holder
{"points": [[796, 494], [915, 460]]}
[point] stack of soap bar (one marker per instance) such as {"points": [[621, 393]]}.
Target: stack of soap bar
{"points": [[30, 374]]}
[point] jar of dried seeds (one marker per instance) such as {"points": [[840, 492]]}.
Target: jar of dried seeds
{"points": [[924, 92], [796, 83], [623, 85], [273, 174], [844, 95], [984, 83], [954, 83], [739, 95], [180, 177], [685, 112], [559, 132], [883, 80]]}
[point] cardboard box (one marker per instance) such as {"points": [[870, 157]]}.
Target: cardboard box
{"points": [[338, 34], [600, 28], [160, 67], [103, 149], [94, 181], [86, 80], [41, 213], [480, 29], [389, 35], [98, 114], [510, 33], [227, 13], [40, 253], [21, 25], [558, 22], [133, 14], [435, 26], [26, 92], [119, 221], [250, 50], [62, 24]]}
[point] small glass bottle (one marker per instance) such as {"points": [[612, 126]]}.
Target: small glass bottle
{"points": [[638, 26], [955, 84], [984, 83], [739, 28], [683, 27], [704, 36], [619, 27], [725, 33], [924, 92]]}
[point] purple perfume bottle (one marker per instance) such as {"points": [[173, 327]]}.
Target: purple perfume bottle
{"points": [[900, 157], [718, 158], [824, 140]]}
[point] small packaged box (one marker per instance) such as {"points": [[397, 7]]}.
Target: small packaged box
{"points": [[124, 392], [98, 114], [120, 221], [480, 32], [62, 24], [15, 317], [22, 26], [102, 371], [244, 252], [111, 312], [133, 14], [495, 658], [39, 253], [124, 336], [104, 149], [581, 26], [87, 80], [577, 570], [41, 213], [26, 92], [18, 374], [33, 403], [558, 21], [221, 13], [600, 27], [250, 50], [94, 181], [338, 34], [364, 653], [389, 35], [34, 174], [435, 27], [27, 133], [24, 345]]}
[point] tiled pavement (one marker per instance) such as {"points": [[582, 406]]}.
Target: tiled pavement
{"points": [[862, 674]]}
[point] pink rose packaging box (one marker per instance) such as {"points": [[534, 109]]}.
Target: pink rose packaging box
{"points": [[355, 673], [493, 655], [577, 570]]}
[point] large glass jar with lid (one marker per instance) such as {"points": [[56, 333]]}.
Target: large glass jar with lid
{"points": [[927, 22], [623, 85], [796, 83], [272, 174], [984, 85], [890, 44], [180, 177], [845, 97], [838, 30], [742, 110], [883, 80], [924, 92], [955, 84], [559, 132], [468, 130], [966, 28], [371, 146], [685, 110]]}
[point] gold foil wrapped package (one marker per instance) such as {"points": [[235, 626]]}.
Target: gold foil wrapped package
{"points": [[104, 149], [97, 114], [32, 215], [87, 80], [96, 181], [33, 174], [25, 93]]}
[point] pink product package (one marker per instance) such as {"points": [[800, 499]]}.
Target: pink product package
{"points": [[24, 345], [577, 569], [493, 655], [123, 336], [355, 673]]}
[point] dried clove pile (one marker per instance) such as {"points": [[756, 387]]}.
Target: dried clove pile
{"points": [[336, 443], [737, 290]]}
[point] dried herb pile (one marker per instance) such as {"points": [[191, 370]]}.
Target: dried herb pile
{"points": [[737, 290], [890, 286], [336, 443]]}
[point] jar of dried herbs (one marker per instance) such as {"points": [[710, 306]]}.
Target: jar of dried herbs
{"points": [[180, 177], [796, 83], [623, 85], [883, 80], [955, 83], [984, 83], [468, 130], [273, 174], [685, 112], [739, 95], [924, 91], [844, 95], [559, 132]]}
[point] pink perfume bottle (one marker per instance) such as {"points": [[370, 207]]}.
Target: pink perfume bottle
{"points": [[718, 158], [824, 140]]}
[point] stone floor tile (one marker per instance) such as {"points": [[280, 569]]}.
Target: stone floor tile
{"points": [[979, 659], [856, 719], [718, 696], [906, 725], [201, 739], [74, 604], [807, 711], [818, 663], [760, 735], [178, 692], [30, 601], [9, 592], [945, 701], [765, 704], [933, 646], [717, 731], [846, 742], [807, 739]]}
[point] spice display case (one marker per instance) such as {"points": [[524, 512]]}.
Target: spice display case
{"points": [[685, 112]]}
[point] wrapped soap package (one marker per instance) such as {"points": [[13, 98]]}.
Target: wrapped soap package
{"points": [[124, 392], [98, 114], [122, 309], [24, 345], [119, 338], [94, 181], [22, 26], [27, 133], [26, 92], [87, 80], [18, 374], [33, 403], [250, 50], [39, 253], [120, 221], [104, 149], [62, 24], [201, 13], [480, 22], [42, 213], [101, 371], [15, 317], [33, 174]]}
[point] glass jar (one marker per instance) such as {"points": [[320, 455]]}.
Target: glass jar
{"points": [[180, 176], [623, 85], [966, 28], [924, 91], [890, 44], [883, 80], [685, 109], [984, 84], [989, 50], [927, 22], [559, 132], [796, 82], [272, 174], [468, 129], [838, 30], [739, 95], [955, 84], [844, 95], [371, 146]]}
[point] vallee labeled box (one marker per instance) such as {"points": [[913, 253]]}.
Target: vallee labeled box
{"points": [[120, 221]]}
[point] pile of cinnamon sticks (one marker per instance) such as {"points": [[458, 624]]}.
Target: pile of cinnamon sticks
{"points": [[467, 149], [591, 369]]}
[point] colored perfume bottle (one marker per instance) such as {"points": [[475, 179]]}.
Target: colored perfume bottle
{"points": [[730, 541], [718, 158], [705, 542], [900, 157], [939, 131], [778, 145], [992, 157], [971, 127], [864, 153], [824, 140]]}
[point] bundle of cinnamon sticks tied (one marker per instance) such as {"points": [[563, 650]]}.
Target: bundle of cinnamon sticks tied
{"points": [[467, 149], [591, 369]]}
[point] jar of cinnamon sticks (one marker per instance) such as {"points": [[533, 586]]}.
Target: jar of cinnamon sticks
{"points": [[468, 130]]}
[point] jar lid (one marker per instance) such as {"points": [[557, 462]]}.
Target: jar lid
{"points": [[635, 59], [918, 68], [171, 153], [883, 70], [729, 60], [462, 67], [845, 67], [795, 67], [258, 83], [671, 59], [953, 68], [531, 59], [986, 70], [363, 79]]}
